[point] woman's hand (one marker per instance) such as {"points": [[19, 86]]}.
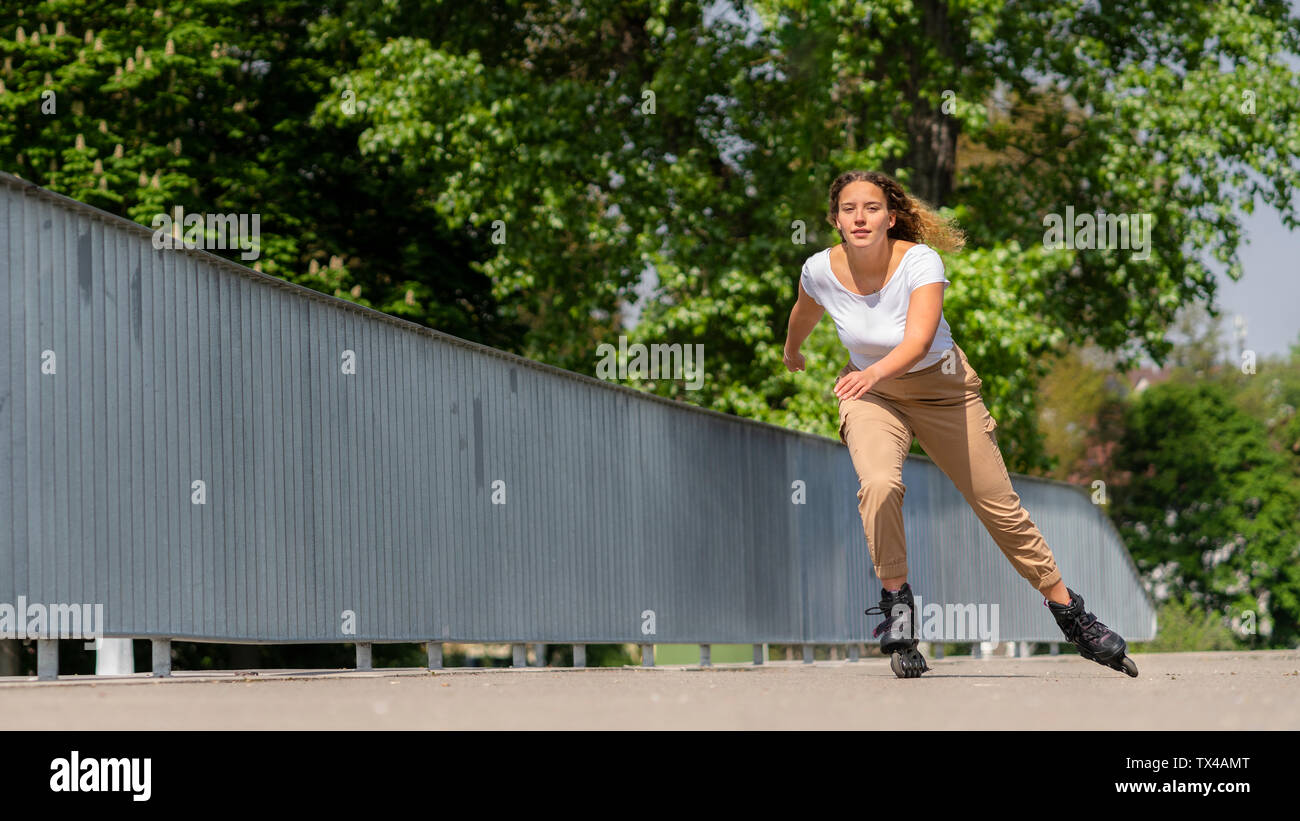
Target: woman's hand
{"points": [[794, 361], [855, 383]]}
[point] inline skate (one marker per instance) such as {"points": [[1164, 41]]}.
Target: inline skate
{"points": [[897, 633], [1094, 640]]}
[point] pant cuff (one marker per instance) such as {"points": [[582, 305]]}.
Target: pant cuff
{"points": [[891, 571], [1049, 582]]}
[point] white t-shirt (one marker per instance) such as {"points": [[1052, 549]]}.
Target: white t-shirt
{"points": [[871, 326]]}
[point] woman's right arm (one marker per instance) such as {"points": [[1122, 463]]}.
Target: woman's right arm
{"points": [[803, 319]]}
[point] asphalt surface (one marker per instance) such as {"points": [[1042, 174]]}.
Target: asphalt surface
{"points": [[1174, 691]]}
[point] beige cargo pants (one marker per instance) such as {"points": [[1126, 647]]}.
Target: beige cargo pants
{"points": [[948, 418]]}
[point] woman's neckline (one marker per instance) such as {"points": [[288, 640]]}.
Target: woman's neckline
{"points": [[890, 281]]}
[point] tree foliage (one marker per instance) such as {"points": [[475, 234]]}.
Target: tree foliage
{"points": [[522, 173], [140, 109], [1208, 507]]}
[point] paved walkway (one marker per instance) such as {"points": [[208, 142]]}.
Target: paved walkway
{"points": [[1175, 691]]}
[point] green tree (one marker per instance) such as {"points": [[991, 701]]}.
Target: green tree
{"points": [[1073, 395], [692, 160], [1185, 626], [1209, 510], [140, 109], [517, 173], [1270, 392]]}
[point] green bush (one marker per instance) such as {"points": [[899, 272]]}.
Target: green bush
{"points": [[1182, 626]]}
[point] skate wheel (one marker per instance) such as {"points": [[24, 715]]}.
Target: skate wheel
{"points": [[1129, 667], [908, 664]]}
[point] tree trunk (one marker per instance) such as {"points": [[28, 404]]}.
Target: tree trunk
{"points": [[931, 134]]}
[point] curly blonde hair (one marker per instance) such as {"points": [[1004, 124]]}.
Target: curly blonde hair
{"points": [[914, 219]]}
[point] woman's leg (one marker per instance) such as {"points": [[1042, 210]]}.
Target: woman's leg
{"points": [[956, 430], [1059, 593], [878, 439]]}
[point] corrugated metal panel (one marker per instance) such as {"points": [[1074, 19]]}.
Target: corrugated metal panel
{"points": [[372, 492]]}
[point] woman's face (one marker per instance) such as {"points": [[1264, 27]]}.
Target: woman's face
{"points": [[862, 218]]}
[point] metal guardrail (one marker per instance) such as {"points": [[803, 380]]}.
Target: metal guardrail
{"points": [[181, 441]]}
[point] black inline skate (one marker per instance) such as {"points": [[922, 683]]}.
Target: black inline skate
{"points": [[1094, 640], [898, 632]]}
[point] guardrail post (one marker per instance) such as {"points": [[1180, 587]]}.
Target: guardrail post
{"points": [[647, 655], [539, 655], [114, 657], [518, 655], [364, 659], [706, 659], [579, 655], [938, 651], [1053, 648], [47, 659], [162, 657], [433, 649], [854, 652], [760, 655], [975, 650], [808, 654]]}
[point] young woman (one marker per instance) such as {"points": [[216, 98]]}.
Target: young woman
{"points": [[883, 286]]}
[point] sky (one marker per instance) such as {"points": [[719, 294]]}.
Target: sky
{"points": [[1267, 296], [1268, 293]]}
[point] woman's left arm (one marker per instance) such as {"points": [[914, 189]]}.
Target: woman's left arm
{"points": [[924, 308]]}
